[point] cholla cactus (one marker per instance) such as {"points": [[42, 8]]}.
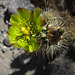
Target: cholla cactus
{"points": [[54, 37], [27, 31], [25, 26]]}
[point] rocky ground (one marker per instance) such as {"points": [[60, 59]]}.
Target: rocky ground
{"points": [[15, 61]]}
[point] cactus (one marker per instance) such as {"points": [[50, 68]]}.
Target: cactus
{"points": [[54, 36], [29, 31]]}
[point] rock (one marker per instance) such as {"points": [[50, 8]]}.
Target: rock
{"points": [[15, 54], [5, 42], [12, 48], [5, 3], [4, 35], [2, 5], [14, 4], [4, 50], [5, 27], [2, 30]]}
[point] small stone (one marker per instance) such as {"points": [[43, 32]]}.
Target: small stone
{"points": [[12, 48], [15, 56], [5, 28], [7, 22], [14, 52], [2, 30], [5, 3], [14, 4], [4, 35], [5, 42], [3, 50], [18, 48], [20, 51]]}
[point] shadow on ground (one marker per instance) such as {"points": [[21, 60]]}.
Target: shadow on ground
{"points": [[40, 66], [36, 64]]}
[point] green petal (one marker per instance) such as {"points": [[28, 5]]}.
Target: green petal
{"points": [[36, 46], [22, 44], [16, 45], [37, 12], [39, 28], [14, 30], [11, 38], [13, 33], [30, 48], [15, 19], [25, 48], [23, 13]]}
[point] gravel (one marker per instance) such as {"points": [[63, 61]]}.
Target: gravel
{"points": [[6, 50], [14, 4], [2, 30], [3, 50], [5, 42]]}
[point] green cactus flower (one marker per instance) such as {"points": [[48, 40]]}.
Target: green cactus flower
{"points": [[24, 28]]}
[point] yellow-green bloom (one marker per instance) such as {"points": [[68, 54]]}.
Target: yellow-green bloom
{"points": [[24, 27]]}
